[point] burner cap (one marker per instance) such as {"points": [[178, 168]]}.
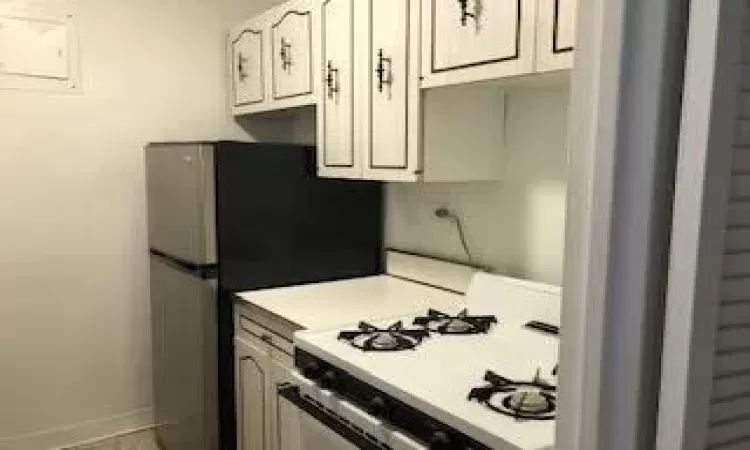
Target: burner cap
{"points": [[384, 341], [458, 326], [530, 401]]}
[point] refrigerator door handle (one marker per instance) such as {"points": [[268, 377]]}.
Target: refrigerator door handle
{"points": [[204, 271]]}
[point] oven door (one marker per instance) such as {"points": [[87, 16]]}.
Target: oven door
{"points": [[304, 426], [308, 425]]}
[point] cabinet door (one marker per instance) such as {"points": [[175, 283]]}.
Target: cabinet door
{"points": [[472, 40], [292, 53], [335, 118], [252, 369], [556, 33], [247, 67], [389, 86], [285, 421]]}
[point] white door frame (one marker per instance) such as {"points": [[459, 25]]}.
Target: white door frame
{"points": [[700, 210], [624, 123]]}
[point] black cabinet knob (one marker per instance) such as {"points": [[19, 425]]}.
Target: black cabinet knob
{"points": [[311, 370], [329, 380], [377, 407], [440, 441]]}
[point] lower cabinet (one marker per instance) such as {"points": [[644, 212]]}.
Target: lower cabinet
{"points": [[264, 421], [252, 365]]}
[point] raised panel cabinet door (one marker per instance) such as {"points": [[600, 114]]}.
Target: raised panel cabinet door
{"points": [[556, 33], [336, 96], [252, 396], [247, 67], [469, 33], [389, 85], [292, 53]]}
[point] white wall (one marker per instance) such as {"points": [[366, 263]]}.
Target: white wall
{"points": [[74, 315], [515, 226]]}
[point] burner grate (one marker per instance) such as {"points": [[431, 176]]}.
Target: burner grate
{"points": [[370, 338], [522, 400], [463, 323]]}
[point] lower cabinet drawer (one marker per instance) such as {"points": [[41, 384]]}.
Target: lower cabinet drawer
{"points": [[265, 335]]}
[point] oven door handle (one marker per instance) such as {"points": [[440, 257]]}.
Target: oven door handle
{"points": [[292, 394]]}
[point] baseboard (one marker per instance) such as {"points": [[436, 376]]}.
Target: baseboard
{"points": [[91, 430]]}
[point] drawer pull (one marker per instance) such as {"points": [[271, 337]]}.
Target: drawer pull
{"points": [[266, 338]]}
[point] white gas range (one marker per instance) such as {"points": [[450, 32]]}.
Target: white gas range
{"points": [[479, 376]]}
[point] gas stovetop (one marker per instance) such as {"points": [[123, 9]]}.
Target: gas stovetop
{"points": [[486, 368]]}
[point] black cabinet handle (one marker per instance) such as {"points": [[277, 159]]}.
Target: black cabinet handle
{"points": [[242, 66], [285, 54], [385, 76], [464, 4], [332, 80]]}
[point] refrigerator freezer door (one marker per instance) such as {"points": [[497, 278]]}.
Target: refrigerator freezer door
{"points": [[184, 333], [181, 204]]}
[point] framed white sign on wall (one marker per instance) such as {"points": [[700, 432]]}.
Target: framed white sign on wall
{"points": [[38, 50]]}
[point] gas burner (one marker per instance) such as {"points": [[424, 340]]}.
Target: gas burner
{"points": [[394, 338], [463, 323], [532, 400]]}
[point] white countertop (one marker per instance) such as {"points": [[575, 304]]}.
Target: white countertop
{"points": [[324, 305]]}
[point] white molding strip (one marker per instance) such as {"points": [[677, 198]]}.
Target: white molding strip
{"points": [[81, 433], [624, 125]]}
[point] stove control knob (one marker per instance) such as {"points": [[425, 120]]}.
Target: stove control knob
{"points": [[329, 380], [377, 407], [440, 441], [311, 370]]}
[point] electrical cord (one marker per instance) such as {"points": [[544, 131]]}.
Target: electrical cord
{"points": [[445, 213]]}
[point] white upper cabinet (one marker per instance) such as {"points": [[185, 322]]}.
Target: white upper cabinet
{"points": [[272, 59], [292, 52], [556, 30], [473, 40], [394, 81], [373, 118], [247, 66], [277, 62], [387, 148], [336, 156]]}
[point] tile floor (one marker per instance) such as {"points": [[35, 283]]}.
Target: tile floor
{"points": [[143, 440]]}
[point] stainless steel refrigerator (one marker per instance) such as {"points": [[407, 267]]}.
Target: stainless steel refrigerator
{"points": [[226, 217]]}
